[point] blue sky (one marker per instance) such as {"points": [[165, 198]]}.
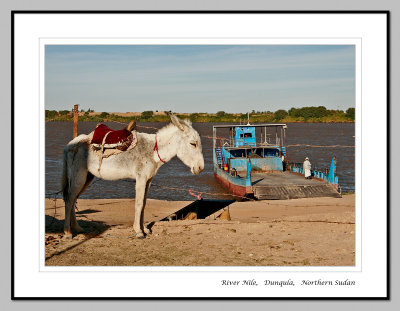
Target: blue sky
{"points": [[199, 78]]}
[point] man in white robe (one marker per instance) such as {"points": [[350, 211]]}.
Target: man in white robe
{"points": [[307, 168]]}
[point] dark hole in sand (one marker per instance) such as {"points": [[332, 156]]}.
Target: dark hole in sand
{"points": [[87, 211], [202, 208]]}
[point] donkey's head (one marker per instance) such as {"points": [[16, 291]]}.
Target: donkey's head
{"points": [[189, 145]]}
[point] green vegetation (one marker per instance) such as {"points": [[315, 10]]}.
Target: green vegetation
{"points": [[351, 113], [64, 112], [280, 114], [147, 114], [51, 114], [221, 114], [304, 114]]}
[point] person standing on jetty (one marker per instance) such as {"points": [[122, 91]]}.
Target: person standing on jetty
{"points": [[307, 168]]}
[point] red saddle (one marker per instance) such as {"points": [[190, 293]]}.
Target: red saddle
{"points": [[114, 139]]}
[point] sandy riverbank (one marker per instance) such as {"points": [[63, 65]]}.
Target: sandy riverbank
{"points": [[310, 232]]}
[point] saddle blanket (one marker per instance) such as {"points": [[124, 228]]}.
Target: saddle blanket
{"points": [[108, 138], [107, 142]]}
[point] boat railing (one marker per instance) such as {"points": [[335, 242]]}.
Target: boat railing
{"points": [[227, 143], [323, 174]]}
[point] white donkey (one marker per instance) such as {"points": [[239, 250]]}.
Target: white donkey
{"points": [[141, 163]]}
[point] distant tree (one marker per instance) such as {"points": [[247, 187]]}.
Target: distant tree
{"points": [[147, 114], [334, 112], [351, 113], [64, 112], [221, 113], [293, 112], [320, 112], [337, 113], [280, 114], [309, 112], [104, 114], [50, 113]]}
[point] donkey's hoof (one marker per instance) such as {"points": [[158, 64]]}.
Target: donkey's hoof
{"points": [[139, 235], [147, 231], [67, 235]]}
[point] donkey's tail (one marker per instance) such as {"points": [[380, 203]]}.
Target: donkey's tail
{"points": [[68, 162], [65, 178]]}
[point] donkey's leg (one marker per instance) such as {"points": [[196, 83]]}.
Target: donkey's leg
{"points": [[145, 229], [89, 179], [77, 182], [139, 204], [67, 221], [74, 223]]}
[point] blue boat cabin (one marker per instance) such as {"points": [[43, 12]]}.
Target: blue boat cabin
{"points": [[244, 136], [241, 149]]}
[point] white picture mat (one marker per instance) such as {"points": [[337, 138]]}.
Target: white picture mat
{"points": [[366, 31]]}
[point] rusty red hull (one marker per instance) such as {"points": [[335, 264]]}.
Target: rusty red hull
{"points": [[237, 190]]}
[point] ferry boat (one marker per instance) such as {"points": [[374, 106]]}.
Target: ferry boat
{"points": [[260, 169]]}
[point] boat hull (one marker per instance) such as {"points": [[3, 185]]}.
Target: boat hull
{"points": [[234, 185]]}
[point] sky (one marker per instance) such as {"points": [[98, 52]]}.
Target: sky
{"points": [[199, 78]]}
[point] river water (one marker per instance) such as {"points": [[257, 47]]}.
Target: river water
{"points": [[175, 174]]}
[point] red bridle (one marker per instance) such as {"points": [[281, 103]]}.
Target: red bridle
{"points": [[156, 149]]}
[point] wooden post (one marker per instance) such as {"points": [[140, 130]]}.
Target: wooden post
{"points": [[75, 120]]}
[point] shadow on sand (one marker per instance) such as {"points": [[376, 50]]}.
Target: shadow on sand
{"points": [[91, 229]]}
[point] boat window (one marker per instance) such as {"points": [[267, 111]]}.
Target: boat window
{"points": [[247, 135], [241, 135], [271, 152]]}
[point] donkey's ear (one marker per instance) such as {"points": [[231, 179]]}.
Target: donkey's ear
{"points": [[175, 120]]}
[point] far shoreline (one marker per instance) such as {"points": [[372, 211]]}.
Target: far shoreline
{"points": [[318, 114]]}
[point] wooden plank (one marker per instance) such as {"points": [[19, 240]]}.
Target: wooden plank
{"points": [[76, 113]]}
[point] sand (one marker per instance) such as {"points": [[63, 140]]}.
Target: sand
{"points": [[301, 232]]}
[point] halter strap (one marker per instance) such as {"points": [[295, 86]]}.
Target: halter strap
{"points": [[156, 149]]}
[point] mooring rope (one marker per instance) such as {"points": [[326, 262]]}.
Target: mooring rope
{"points": [[54, 199], [142, 126], [55, 211], [201, 193], [197, 193]]}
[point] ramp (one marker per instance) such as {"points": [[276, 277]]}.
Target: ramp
{"points": [[286, 185]]}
